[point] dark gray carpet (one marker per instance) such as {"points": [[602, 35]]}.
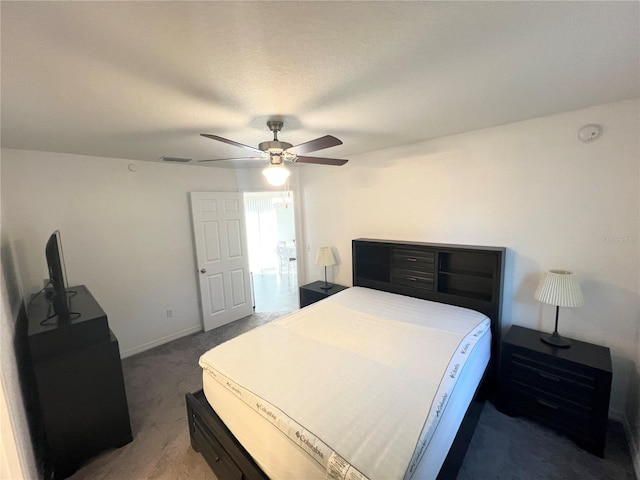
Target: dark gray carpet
{"points": [[516, 448], [157, 380]]}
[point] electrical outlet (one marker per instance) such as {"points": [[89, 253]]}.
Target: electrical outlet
{"points": [[169, 313]]}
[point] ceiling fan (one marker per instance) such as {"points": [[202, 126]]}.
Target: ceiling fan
{"points": [[278, 153]]}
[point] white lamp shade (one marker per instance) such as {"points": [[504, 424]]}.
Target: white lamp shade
{"points": [[560, 288], [325, 257], [276, 175]]}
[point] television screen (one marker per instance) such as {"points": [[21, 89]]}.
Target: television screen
{"points": [[57, 276]]}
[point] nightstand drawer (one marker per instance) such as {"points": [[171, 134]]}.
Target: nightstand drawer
{"points": [[573, 418], [416, 260], [575, 387], [413, 278]]}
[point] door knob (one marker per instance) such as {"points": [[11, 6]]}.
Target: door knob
{"points": [[203, 270]]}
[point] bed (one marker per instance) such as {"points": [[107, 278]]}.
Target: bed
{"points": [[382, 380]]}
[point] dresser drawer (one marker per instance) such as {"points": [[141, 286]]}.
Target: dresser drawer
{"points": [[573, 386], [413, 278], [416, 260]]}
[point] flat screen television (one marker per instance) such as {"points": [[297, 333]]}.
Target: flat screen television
{"points": [[57, 277]]}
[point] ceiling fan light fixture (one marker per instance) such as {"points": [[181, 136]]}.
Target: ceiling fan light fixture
{"points": [[276, 175]]}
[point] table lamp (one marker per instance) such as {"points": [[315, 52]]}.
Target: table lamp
{"points": [[325, 258], [559, 288]]}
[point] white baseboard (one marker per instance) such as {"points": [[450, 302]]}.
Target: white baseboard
{"points": [[161, 341]]}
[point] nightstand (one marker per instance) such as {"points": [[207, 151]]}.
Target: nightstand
{"points": [[311, 293], [565, 388]]}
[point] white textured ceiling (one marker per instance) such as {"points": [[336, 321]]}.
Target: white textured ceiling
{"points": [[139, 80]]}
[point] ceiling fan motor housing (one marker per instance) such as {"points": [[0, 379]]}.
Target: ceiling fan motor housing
{"points": [[274, 146]]}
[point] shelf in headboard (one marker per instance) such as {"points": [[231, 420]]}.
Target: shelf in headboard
{"points": [[374, 262], [463, 275]]}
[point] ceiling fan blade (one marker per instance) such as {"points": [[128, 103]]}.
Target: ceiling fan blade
{"points": [[236, 158], [315, 145], [230, 142], [321, 161]]}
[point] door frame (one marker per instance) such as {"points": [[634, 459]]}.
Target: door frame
{"points": [[300, 249]]}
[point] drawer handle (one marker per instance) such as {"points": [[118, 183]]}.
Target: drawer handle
{"points": [[547, 404], [413, 279], [548, 376], [217, 459], [412, 259]]}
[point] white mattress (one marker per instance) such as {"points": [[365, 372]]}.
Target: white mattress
{"points": [[364, 384]]}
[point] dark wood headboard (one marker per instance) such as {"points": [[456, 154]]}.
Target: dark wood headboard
{"points": [[463, 275]]}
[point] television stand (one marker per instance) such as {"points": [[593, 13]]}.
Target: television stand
{"points": [[75, 387]]}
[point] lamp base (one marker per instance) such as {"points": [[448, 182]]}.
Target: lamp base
{"points": [[555, 340], [326, 286]]}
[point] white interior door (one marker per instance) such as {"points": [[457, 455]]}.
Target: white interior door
{"points": [[222, 257]]}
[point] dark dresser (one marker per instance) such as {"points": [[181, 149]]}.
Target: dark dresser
{"points": [[565, 388], [75, 387]]}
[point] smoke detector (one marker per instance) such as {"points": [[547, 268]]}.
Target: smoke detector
{"points": [[590, 132]]}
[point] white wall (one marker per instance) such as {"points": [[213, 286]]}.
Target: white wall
{"points": [[126, 235], [532, 187]]}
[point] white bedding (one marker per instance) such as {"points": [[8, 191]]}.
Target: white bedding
{"points": [[359, 385]]}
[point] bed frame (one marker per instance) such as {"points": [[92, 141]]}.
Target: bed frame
{"points": [[466, 276]]}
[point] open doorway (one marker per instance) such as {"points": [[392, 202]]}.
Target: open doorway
{"points": [[271, 242]]}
